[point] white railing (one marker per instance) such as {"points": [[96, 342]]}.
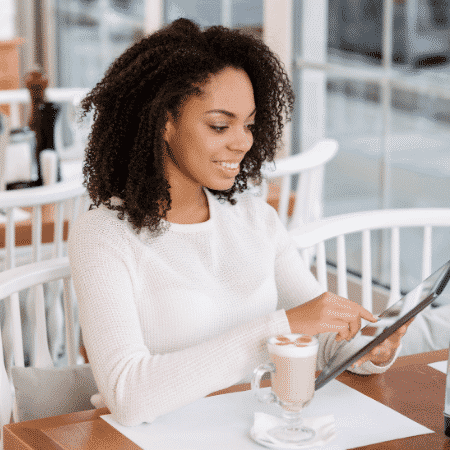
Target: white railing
{"points": [[15, 98], [397, 78]]}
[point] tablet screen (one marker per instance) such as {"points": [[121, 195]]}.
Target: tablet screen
{"points": [[391, 319]]}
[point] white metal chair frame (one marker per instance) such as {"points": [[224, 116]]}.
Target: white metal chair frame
{"points": [[12, 281], [315, 235], [310, 165], [57, 194]]}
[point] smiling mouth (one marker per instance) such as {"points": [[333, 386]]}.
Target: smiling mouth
{"points": [[231, 166]]}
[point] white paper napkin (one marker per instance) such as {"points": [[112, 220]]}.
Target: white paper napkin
{"points": [[440, 365], [324, 427], [223, 422]]}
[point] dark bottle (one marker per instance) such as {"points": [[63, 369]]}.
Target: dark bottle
{"points": [[46, 115], [42, 120]]}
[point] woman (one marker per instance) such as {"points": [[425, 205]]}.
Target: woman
{"points": [[180, 274]]}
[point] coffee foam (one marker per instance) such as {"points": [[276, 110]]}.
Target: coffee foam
{"points": [[287, 345]]}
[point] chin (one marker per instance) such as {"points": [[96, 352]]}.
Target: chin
{"points": [[220, 186]]}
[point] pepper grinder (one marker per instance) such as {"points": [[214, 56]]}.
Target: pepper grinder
{"points": [[42, 119], [447, 400]]}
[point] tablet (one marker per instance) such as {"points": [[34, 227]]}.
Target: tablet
{"points": [[390, 320]]}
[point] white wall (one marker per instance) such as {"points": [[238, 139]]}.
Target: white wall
{"points": [[7, 17]]}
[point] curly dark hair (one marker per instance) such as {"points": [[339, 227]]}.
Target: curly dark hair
{"points": [[124, 156]]}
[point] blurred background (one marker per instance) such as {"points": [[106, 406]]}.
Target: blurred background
{"points": [[373, 74]]}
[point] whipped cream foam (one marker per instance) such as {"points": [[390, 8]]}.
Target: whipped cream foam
{"points": [[293, 345]]}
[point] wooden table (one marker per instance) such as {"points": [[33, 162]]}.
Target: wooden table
{"points": [[409, 387]]}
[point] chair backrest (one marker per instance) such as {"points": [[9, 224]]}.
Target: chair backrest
{"points": [[315, 235], [61, 203], [310, 165], [57, 196], [34, 276]]}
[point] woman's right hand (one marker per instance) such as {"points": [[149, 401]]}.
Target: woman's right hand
{"points": [[328, 313]]}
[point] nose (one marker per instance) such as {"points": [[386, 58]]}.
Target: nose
{"points": [[242, 140]]}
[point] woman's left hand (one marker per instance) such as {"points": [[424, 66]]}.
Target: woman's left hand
{"points": [[383, 353]]}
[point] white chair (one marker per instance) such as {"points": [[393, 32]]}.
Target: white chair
{"points": [[52, 395], [310, 165], [68, 200], [315, 235]]}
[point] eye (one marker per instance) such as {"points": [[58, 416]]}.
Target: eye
{"points": [[218, 129], [251, 127]]}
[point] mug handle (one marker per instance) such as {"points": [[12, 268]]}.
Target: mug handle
{"points": [[256, 380]]}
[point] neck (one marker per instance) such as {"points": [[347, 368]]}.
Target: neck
{"points": [[189, 204], [184, 193], [187, 197]]}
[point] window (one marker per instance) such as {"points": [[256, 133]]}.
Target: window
{"points": [[386, 101], [90, 34]]}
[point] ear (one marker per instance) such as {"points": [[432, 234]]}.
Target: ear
{"points": [[169, 128]]}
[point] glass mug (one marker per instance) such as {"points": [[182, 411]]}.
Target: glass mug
{"points": [[292, 368]]}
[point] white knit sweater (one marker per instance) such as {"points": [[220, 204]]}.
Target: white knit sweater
{"points": [[167, 320]]}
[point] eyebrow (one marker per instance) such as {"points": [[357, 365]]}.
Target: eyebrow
{"points": [[227, 113]]}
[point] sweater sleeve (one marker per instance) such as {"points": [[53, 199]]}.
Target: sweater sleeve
{"points": [[297, 285], [138, 386]]}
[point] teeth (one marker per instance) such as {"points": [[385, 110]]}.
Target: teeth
{"points": [[229, 166]]}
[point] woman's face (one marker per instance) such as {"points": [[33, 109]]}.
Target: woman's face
{"points": [[212, 133]]}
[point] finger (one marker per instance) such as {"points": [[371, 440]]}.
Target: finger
{"points": [[382, 352], [350, 319], [333, 324], [395, 340], [387, 347], [385, 354], [354, 327], [404, 328], [343, 330], [343, 334], [379, 353], [367, 315], [397, 335], [361, 361]]}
